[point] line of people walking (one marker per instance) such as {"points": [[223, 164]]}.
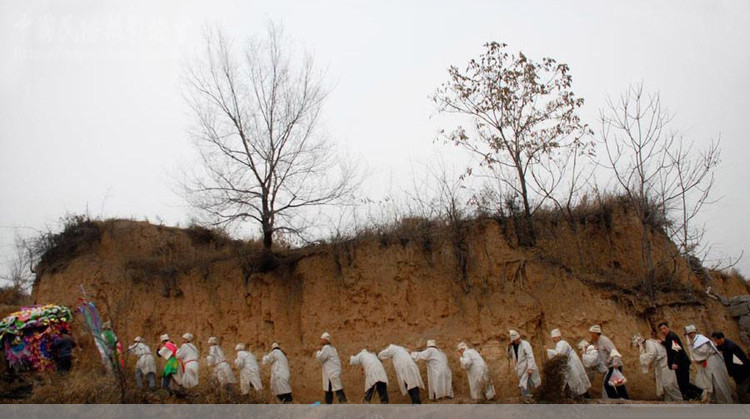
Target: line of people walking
{"points": [[715, 360]]}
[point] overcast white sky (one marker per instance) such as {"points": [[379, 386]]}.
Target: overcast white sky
{"points": [[91, 115]]}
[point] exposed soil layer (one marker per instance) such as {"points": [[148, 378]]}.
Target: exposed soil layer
{"points": [[373, 291]]}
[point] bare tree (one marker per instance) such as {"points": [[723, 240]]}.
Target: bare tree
{"points": [[520, 111], [258, 132], [563, 180], [20, 267], [686, 192], [656, 174]]}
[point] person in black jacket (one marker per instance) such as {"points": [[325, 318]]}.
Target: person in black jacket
{"points": [[62, 350], [737, 364], [678, 361]]}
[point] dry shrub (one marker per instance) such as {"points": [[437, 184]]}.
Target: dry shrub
{"points": [[200, 235], [78, 386], [553, 380], [12, 298], [90, 384], [79, 234]]}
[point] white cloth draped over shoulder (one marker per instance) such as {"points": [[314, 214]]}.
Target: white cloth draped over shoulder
{"points": [[654, 353], [279, 371], [372, 367], [524, 362], [328, 357], [146, 363], [222, 370], [592, 361], [712, 375], [576, 377], [594, 364], [439, 377], [478, 375], [249, 371], [407, 370], [187, 374]]}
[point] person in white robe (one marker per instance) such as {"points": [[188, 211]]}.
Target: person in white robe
{"points": [[575, 377], [187, 374], [222, 370], [612, 360], [477, 372], [279, 363], [407, 371], [439, 377], [249, 371], [712, 375], [522, 355], [375, 376], [592, 362], [652, 352], [146, 364], [328, 357]]}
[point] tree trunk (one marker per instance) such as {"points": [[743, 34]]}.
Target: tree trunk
{"points": [[267, 238], [529, 233]]}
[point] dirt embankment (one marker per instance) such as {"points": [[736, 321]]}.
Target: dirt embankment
{"points": [[375, 291]]}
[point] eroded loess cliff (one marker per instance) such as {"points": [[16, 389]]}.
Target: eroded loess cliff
{"points": [[471, 284]]}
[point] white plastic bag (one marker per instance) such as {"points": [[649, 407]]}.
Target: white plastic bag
{"points": [[617, 378]]}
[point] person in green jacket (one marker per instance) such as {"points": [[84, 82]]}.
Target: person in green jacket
{"points": [[168, 350], [110, 341]]}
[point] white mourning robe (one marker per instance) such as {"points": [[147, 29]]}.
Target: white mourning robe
{"points": [[525, 362], [222, 370], [654, 353], [249, 371], [407, 370], [712, 374], [328, 357], [576, 377], [372, 367], [439, 377], [187, 374], [279, 371], [478, 374]]}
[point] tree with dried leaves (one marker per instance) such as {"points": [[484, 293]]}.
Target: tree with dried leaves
{"points": [[521, 111], [257, 129], [665, 182]]}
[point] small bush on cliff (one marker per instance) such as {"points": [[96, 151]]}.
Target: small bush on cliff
{"points": [[201, 235], [13, 296], [54, 250]]}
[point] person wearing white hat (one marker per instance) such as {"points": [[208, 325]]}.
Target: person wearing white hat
{"points": [[146, 365], [439, 377], [328, 357], [168, 351], [375, 376], [522, 355], [575, 377], [222, 370], [592, 361], [407, 371], [188, 355], [279, 373], [477, 372], [712, 375], [652, 352], [611, 359], [249, 371]]}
